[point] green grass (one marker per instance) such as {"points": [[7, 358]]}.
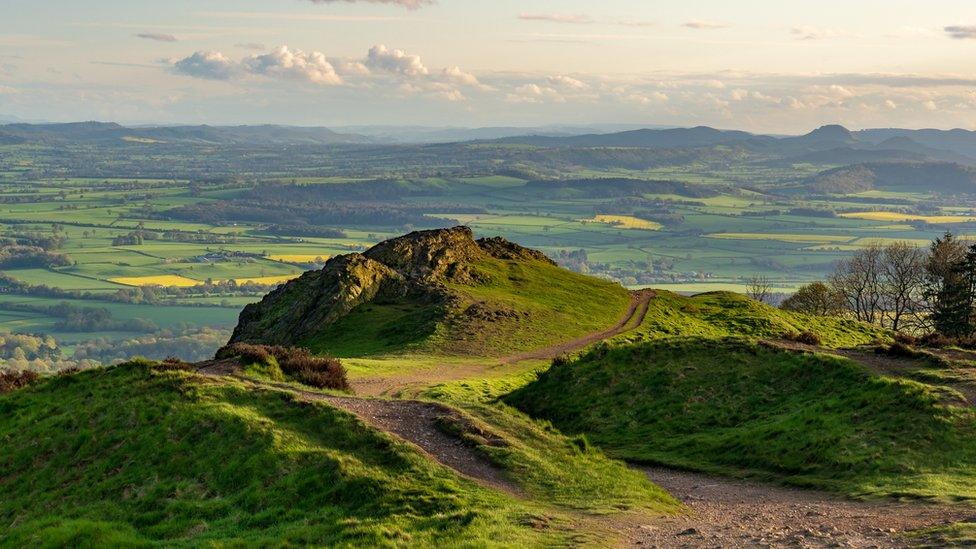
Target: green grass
{"points": [[136, 456], [723, 314], [731, 406], [541, 305]]}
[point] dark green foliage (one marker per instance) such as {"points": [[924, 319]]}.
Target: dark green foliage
{"points": [[815, 298]]}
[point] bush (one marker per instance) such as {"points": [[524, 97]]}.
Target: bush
{"points": [[897, 350], [11, 381], [906, 339], [807, 338], [299, 363]]}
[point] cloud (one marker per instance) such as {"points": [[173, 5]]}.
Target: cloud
{"points": [[409, 4], [157, 37], [296, 65], [381, 58], [250, 46], [211, 65], [566, 82], [349, 67], [457, 76], [961, 32], [704, 25], [567, 18]]}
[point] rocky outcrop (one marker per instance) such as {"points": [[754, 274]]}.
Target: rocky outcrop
{"points": [[418, 267]]}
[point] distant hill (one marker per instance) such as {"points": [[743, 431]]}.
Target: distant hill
{"points": [[100, 132], [433, 291], [940, 177], [958, 141], [647, 138]]}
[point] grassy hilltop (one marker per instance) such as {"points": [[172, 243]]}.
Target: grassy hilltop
{"points": [[434, 292]]}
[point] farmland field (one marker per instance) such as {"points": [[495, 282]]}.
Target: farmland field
{"points": [[170, 249]]}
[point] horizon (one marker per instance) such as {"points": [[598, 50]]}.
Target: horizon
{"points": [[765, 69]]}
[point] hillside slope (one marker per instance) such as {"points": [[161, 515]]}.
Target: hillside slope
{"points": [[437, 291], [725, 314], [731, 405], [147, 454]]}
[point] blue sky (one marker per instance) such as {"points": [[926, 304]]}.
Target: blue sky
{"points": [[754, 64]]}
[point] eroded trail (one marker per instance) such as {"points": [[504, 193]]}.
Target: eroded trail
{"points": [[419, 423], [739, 513], [408, 382]]}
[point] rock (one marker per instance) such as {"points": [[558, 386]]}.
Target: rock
{"points": [[689, 532]]}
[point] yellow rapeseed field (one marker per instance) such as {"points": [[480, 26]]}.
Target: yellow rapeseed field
{"points": [[158, 280], [267, 279], [895, 216], [625, 222]]}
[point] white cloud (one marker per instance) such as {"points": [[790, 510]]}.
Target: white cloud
{"points": [[381, 58], [349, 67], [457, 76], [297, 65], [211, 65], [566, 82]]}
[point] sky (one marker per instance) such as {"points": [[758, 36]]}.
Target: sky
{"points": [[759, 65]]}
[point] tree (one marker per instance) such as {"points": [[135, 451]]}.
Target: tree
{"points": [[902, 276], [760, 288], [946, 289], [858, 281], [816, 298]]}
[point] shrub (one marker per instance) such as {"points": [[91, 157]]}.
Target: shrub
{"points": [[937, 340], [906, 339], [299, 363], [11, 381], [807, 338], [898, 350]]}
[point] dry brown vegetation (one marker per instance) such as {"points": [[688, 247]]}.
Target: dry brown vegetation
{"points": [[11, 381], [317, 371]]}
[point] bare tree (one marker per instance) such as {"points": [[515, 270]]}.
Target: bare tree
{"points": [[858, 279], [902, 279], [760, 289]]}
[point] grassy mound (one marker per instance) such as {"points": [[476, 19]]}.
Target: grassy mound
{"points": [[734, 406], [145, 454], [434, 292], [725, 314]]}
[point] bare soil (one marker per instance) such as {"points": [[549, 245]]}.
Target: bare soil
{"points": [[726, 512]]}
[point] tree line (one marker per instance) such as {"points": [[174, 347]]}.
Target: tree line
{"points": [[902, 287]]}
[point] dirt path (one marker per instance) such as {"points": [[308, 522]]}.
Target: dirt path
{"points": [[738, 513], [413, 421], [412, 382]]}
